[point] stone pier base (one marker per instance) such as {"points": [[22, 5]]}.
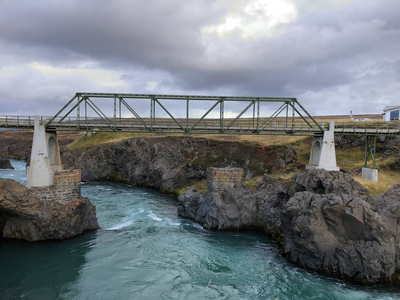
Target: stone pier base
{"points": [[44, 213], [67, 186], [219, 179]]}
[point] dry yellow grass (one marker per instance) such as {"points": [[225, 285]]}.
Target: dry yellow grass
{"points": [[386, 179], [114, 137], [264, 140], [99, 138]]}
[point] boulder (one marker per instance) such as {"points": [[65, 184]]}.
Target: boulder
{"points": [[387, 206], [5, 164], [320, 181], [338, 235], [189, 203], [25, 216], [236, 207]]}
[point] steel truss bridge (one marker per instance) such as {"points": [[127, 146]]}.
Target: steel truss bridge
{"points": [[175, 114]]}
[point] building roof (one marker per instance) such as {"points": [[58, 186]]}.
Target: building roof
{"points": [[391, 107]]}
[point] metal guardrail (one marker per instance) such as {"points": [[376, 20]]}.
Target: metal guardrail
{"points": [[161, 125], [205, 126], [16, 121], [368, 128]]}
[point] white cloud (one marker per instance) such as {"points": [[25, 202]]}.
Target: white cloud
{"points": [[253, 19]]}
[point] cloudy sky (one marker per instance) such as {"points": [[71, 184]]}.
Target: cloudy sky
{"points": [[332, 55]]}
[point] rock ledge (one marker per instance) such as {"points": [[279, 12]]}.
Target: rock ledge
{"points": [[24, 215]]}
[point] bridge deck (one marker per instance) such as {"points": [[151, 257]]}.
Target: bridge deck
{"points": [[192, 126]]}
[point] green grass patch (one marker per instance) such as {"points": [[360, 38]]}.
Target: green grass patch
{"points": [[201, 187], [252, 182]]}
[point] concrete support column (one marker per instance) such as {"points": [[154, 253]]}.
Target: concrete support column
{"points": [[40, 173], [370, 174], [323, 153]]}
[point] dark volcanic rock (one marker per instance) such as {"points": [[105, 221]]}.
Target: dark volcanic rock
{"points": [[392, 147], [241, 208], [235, 208], [325, 221], [25, 216], [5, 164], [189, 203], [388, 207], [228, 210], [338, 235], [165, 163], [325, 182], [393, 150]]}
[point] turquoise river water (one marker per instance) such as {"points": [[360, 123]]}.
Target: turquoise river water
{"points": [[146, 251]]}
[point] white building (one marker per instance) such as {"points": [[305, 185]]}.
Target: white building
{"points": [[391, 113]]}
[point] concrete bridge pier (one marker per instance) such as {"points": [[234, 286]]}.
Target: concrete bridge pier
{"points": [[323, 154], [45, 157]]}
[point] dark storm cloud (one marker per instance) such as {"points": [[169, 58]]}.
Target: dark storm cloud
{"points": [[150, 33], [343, 54]]}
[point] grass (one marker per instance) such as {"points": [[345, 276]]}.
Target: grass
{"points": [[263, 140], [386, 179], [201, 187], [350, 158], [252, 182], [99, 138]]}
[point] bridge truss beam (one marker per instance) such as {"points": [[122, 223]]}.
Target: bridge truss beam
{"points": [[289, 118]]}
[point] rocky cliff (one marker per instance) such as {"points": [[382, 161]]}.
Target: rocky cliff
{"points": [[324, 221], [167, 163], [24, 215]]}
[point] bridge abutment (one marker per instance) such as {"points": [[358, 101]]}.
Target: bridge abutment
{"points": [[45, 157], [323, 153]]}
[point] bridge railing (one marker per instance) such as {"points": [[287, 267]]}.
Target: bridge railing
{"points": [[368, 127], [17, 121], [183, 125], [165, 125], [206, 125]]}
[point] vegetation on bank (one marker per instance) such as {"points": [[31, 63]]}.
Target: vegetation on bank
{"points": [[98, 138], [259, 150]]}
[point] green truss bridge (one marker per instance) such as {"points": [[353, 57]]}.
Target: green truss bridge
{"points": [[183, 114], [191, 115]]}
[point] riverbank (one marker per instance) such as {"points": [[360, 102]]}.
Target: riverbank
{"points": [[280, 157]]}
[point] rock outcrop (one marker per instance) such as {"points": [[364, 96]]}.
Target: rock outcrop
{"points": [[388, 208], [324, 221], [240, 207], [166, 163], [5, 164], [324, 182], [338, 235], [236, 207], [23, 215]]}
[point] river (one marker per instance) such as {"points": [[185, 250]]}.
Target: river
{"points": [[146, 251]]}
